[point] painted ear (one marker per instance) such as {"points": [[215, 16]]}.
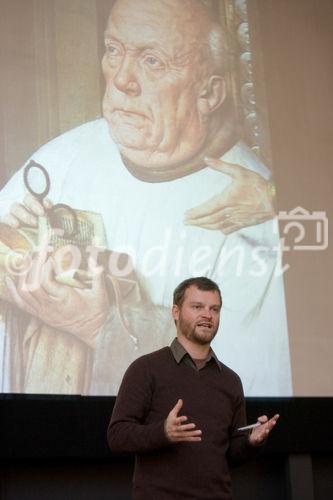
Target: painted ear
{"points": [[212, 95]]}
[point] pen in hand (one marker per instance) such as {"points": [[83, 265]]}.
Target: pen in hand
{"points": [[248, 427]]}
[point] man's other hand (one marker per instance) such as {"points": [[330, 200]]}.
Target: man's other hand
{"points": [[247, 201], [259, 434], [175, 428]]}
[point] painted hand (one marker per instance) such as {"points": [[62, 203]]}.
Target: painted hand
{"points": [[27, 212], [247, 201], [79, 311]]}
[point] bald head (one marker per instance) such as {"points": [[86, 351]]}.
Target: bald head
{"points": [[164, 78], [192, 20]]}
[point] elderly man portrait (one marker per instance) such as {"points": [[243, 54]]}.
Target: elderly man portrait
{"points": [[175, 194]]}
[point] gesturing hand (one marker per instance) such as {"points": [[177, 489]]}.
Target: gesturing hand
{"points": [[247, 201], [259, 434], [175, 429]]}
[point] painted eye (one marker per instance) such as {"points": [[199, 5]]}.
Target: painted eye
{"points": [[112, 50], [153, 62]]}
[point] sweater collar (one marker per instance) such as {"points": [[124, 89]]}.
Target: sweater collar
{"points": [[179, 353]]}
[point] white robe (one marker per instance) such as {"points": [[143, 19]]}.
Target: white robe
{"points": [[145, 220]]}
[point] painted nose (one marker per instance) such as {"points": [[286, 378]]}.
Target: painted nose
{"points": [[125, 79]]}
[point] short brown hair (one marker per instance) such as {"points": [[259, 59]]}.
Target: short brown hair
{"points": [[201, 282]]}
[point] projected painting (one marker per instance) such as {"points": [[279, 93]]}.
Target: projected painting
{"points": [[101, 223]]}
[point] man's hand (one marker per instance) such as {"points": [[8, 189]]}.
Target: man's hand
{"points": [[26, 213], [79, 311], [247, 201], [175, 429], [259, 434]]}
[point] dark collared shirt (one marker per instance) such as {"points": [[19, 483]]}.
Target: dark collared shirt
{"points": [[181, 355], [212, 399]]}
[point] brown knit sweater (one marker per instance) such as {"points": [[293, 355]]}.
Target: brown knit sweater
{"points": [[213, 400]]}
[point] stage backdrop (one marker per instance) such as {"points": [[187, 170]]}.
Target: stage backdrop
{"points": [[135, 153]]}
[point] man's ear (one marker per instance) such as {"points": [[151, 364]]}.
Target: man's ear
{"points": [[212, 95], [175, 312]]}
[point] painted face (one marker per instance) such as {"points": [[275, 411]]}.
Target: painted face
{"points": [[153, 68], [199, 315]]}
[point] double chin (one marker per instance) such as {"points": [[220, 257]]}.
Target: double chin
{"points": [[140, 150]]}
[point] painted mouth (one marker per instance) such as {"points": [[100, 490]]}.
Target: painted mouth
{"points": [[127, 113]]}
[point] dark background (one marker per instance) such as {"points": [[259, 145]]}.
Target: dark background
{"points": [[55, 448]]}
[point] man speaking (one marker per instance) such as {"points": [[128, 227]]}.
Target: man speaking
{"points": [[182, 411]]}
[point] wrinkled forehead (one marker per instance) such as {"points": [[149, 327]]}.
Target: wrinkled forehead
{"points": [[174, 24]]}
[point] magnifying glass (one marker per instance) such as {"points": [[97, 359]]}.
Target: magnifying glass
{"points": [[60, 216]]}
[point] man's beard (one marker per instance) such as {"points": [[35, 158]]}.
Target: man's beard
{"points": [[192, 334]]}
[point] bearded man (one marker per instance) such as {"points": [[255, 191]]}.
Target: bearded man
{"points": [[182, 411]]}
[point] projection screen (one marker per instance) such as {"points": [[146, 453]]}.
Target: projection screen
{"points": [[135, 153]]}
